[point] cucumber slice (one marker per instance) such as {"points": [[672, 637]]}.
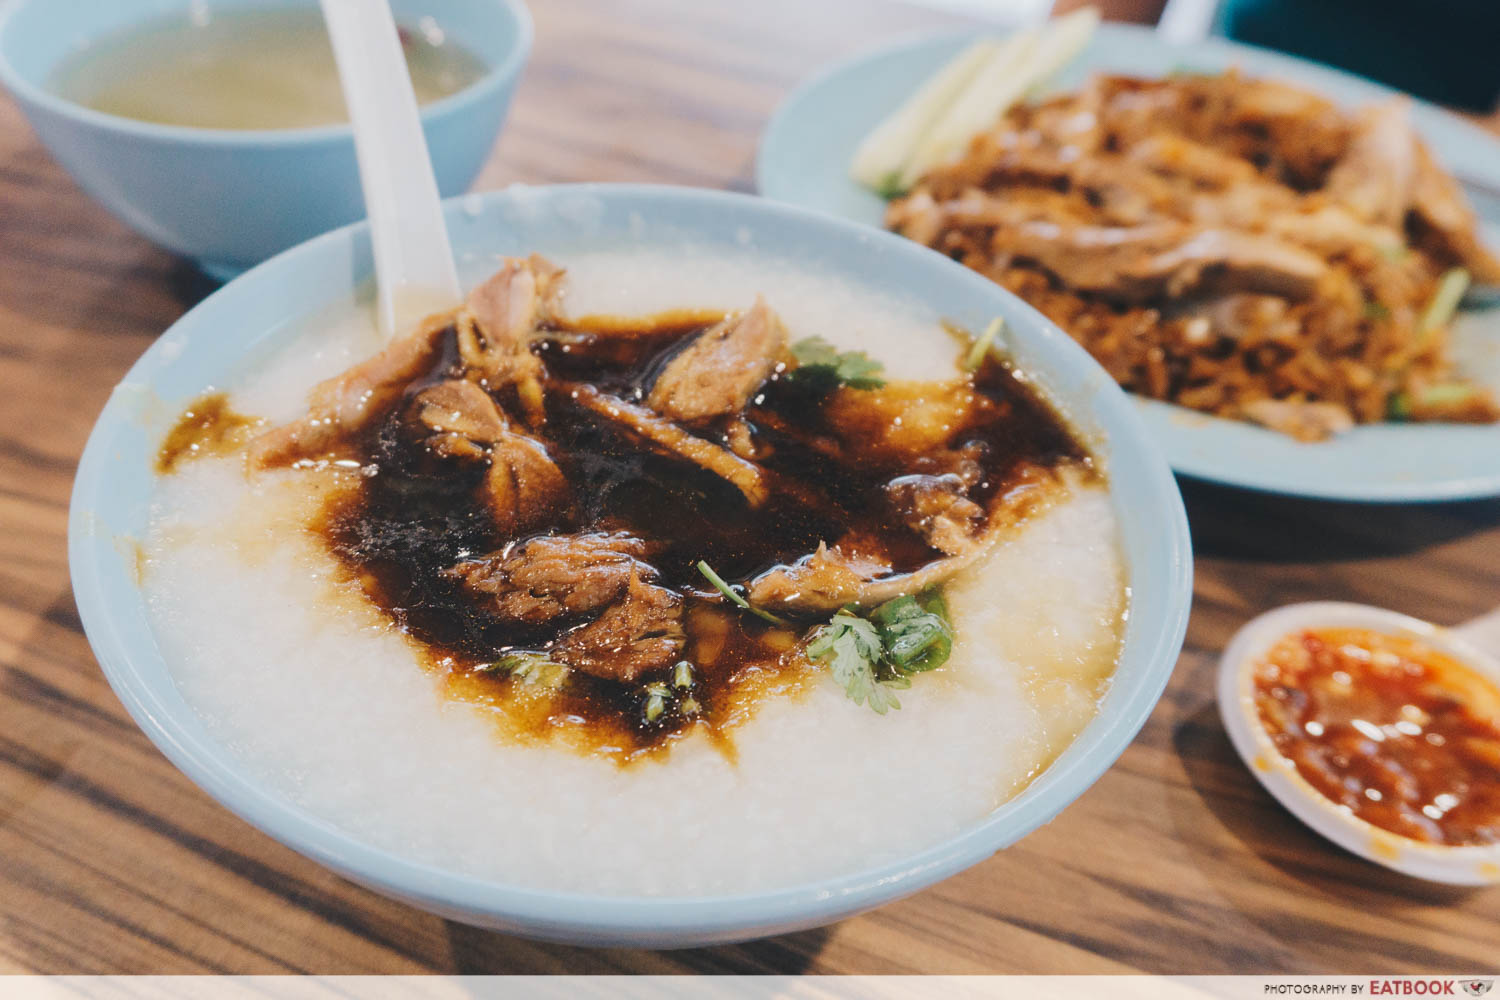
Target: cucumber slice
{"points": [[880, 157], [1000, 82], [1060, 44], [1022, 64]]}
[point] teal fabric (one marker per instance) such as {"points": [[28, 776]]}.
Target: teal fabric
{"points": [[1447, 51]]}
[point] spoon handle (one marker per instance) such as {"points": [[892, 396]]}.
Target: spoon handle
{"points": [[413, 259]]}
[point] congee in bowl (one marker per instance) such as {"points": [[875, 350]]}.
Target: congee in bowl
{"points": [[657, 568]]}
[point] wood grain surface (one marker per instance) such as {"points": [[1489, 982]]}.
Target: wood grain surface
{"points": [[1176, 861]]}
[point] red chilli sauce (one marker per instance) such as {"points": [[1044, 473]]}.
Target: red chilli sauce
{"points": [[1402, 735]]}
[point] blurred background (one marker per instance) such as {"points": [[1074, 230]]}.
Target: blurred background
{"points": [[1440, 50]]}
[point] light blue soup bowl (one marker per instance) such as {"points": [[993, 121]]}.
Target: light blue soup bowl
{"points": [[248, 319], [227, 198]]}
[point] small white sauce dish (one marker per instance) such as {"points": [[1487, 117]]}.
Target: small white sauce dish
{"points": [[1456, 865]]}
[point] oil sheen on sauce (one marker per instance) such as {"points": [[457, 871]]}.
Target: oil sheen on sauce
{"points": [[1400, 734], [208, 426], [411, 515]]}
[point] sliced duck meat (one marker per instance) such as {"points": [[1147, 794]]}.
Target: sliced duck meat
{"points": [[1179, 157], [499, 321], [1331, 230], [1443, 215], [637, 634], [461, 420], [670, 438], [1303, 420], [346, 403], [937, 508], [828, 578], [1139, 263], [850, 573], [721, 369], [524, 487], [1235, 317], [549, 576], [1374, 177]]}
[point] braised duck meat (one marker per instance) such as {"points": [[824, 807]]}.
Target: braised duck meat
{"points": [[622, 526], [346, 404], [718, 372], [639, 633], [551, 576]]}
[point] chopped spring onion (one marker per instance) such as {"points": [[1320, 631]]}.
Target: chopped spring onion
{"points": [[682, 674], [982, 346], [735, 598], [1402, 405], [657, 697], [915, 638], [1444, 304], [532, 668]]}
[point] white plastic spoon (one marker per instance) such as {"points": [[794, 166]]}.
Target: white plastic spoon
{"points": [[413, 261]]}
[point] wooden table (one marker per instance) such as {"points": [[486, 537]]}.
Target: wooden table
{"points": [[1176, 861]]}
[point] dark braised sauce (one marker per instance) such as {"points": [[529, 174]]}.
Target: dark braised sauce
{"points": [[1402, 735], [828, 453], [207, 427]]}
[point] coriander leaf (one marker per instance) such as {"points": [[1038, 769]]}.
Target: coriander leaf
{"points": [[915, 637], [819, 361], [850, 646], [882, 699], [735, 598]]}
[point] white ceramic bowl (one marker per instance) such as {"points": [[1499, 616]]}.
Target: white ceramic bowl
{"points": [[262, 310]]}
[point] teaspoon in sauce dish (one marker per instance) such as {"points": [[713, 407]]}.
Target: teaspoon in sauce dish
{"points": [[1378, 730]]}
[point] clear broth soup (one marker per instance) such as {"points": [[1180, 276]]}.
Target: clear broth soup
{"points": [[244, 69]]}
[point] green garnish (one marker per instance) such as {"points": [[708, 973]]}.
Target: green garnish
{"points": [[1401, 404], [1377, 311], [981, 347], [890, 185], [532, 668], [1393, 251], [657, 697], [820, 362], [1445, 301], [915, 638], [851, 647], [735, 598], [873, 657], [682, 674]]}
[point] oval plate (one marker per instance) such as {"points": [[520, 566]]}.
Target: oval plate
{"points": [[251, 317], [804, 157]]}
